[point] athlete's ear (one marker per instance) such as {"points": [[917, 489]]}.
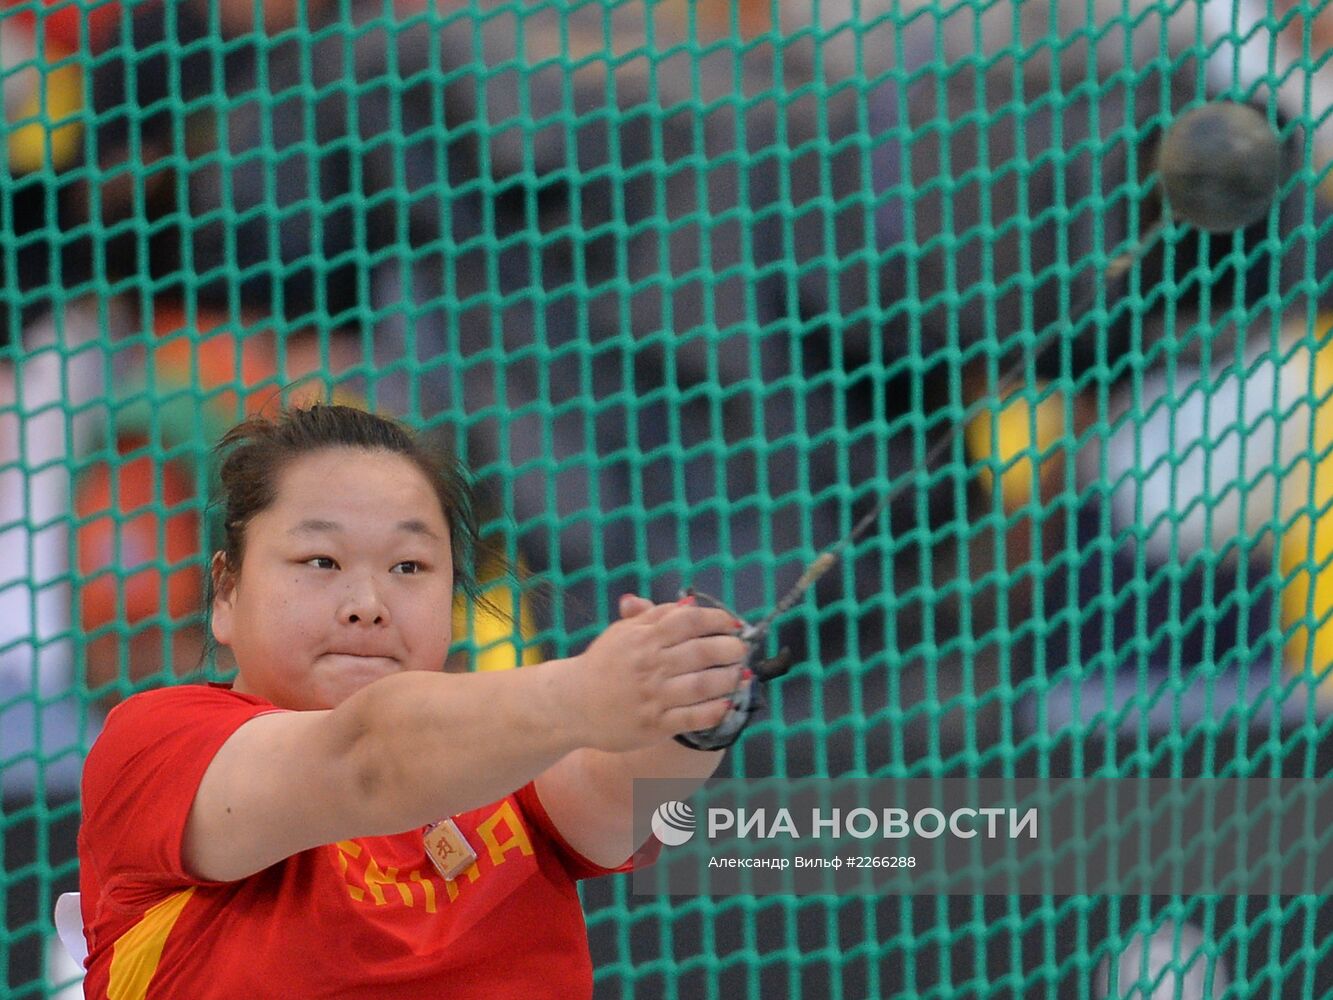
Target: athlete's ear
{"points": [[224, 599]]}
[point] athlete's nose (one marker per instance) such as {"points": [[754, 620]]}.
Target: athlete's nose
{"points": [[362, 604]]}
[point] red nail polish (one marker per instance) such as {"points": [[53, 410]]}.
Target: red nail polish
{"points": [[746, 673], [687, 599]]}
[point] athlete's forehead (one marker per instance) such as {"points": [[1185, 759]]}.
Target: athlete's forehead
{"points": [[314, 526], [343, 491]]}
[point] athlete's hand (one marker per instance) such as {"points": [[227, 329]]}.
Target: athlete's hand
{"points": [[662, 669]]}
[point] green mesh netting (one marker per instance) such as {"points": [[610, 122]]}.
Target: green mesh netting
{"points": [[689, 286]]}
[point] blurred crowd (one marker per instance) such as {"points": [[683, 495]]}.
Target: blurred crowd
{"points": [[686, 285]]}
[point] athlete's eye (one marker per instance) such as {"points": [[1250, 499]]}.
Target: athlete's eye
{"points": [[322, 562], [408, 566]]}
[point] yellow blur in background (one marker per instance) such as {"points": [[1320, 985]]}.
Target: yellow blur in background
{"points": [[1306, 557], [1018, 439], [47, 131], [501, 640]]}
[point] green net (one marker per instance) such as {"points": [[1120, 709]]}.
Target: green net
{"points": [[688, 287]]}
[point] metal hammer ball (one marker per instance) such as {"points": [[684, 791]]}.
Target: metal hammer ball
{"points": [[1220, 166]]}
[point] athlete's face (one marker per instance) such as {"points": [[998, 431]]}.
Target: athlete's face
{"points": [[346, 578]]}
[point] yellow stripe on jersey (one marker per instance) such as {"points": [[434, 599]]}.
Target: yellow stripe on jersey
{"points": [[136, 953]]}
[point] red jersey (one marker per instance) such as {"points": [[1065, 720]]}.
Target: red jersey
{"points": [[369, 917]]}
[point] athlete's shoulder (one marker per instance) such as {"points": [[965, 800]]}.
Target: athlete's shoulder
{"points": [[184, 713], [169, 702], [151, 730]]}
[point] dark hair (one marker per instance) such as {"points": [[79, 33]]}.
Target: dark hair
{"points": [[255, 452]]}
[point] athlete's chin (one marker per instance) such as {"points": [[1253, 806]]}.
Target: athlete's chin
{"points": [[343, 676]]}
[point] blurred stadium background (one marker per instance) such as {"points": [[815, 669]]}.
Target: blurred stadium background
{"points": [[688, 285]]}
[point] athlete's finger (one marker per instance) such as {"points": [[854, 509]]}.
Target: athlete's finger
{"points": [[703, 653], [632, 605], [657, 612], [682, 624], [693, 718], [703, 685]]}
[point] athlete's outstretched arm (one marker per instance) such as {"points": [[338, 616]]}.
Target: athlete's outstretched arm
{"points": [[419, 746]]}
